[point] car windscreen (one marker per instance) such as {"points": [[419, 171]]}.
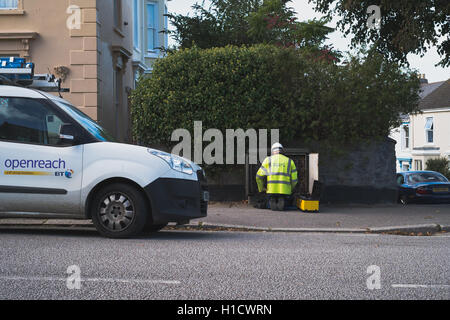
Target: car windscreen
{"points": [[86, 122], [425, 177]]}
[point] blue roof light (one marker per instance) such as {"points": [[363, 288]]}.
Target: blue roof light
{"points": [[14, 68]]}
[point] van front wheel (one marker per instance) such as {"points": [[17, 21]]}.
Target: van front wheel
{"points": [[119, 211]]}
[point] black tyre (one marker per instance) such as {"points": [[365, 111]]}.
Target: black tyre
{"points": [[119, 210]]}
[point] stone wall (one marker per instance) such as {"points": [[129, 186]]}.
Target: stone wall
{"points": [[365, 174]]}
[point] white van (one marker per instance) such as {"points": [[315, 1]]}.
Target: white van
{"points": [[56, 162]]}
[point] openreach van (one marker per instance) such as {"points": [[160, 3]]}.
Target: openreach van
{"points": [[56, 162]]}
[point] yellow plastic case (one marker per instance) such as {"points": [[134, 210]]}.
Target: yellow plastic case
{"points": [[306, 205]]}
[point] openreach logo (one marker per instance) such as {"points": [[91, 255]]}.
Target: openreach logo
{"points": [[34, 164], [27, 167], [213, 153]]}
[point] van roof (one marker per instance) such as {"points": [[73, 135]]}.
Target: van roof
{"points": [[21, 92], [53, 97], [13, 91]]}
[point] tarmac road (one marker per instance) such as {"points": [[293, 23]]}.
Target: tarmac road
{"points": [[222, 265]]}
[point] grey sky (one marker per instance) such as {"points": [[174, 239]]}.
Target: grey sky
{"points": [[305, 11]]}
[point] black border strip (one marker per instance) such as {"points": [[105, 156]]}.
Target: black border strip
{"points": [[31, 190]]}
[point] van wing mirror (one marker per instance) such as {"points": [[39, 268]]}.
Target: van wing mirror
{"points": [[68, 133]]}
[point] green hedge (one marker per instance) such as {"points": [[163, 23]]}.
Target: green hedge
{"points": [[441, 165], [266, 86]]}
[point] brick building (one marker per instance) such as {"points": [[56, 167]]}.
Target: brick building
{"points": [[88, 43]]}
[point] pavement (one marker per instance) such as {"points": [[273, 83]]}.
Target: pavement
{"points": [[376, 218], [414, 218], [193, 265]]}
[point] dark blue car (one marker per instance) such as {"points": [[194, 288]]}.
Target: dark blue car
{"points": [[423, 186]]}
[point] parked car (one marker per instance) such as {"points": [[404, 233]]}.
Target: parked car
{"points": [[57, 162], [423, 186]]}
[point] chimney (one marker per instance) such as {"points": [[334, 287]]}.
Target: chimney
{"points": [[422, 79]]}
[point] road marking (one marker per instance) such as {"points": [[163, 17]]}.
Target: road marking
{"points": [[54, 279], [418, 286]]}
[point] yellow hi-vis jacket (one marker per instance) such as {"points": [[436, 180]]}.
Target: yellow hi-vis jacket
{"points": [[281, 175]]}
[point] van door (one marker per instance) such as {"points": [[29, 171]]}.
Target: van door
{"points": [[38, 173]]}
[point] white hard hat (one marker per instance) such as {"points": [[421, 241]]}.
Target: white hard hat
{"points": [[276, 146]]}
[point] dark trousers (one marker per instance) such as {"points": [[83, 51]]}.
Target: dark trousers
{"points": [[279, 202]]}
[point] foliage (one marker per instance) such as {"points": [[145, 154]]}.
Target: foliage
{"points": [[247, 22], [265, 86], [407, 26], [224, 23], [275, 23], [441, 165]]}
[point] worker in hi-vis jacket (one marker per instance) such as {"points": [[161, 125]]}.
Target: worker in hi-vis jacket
{"points": [[281, 175]]}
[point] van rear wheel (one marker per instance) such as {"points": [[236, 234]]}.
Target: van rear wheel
{"points": [[119, 211]]}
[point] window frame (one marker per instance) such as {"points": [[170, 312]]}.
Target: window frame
{"points": [[154, 51], [418, 167], [429, 128], [62, 116], [13, 11], [404, 165], [406, 136], [9, 8], [137, 20]]}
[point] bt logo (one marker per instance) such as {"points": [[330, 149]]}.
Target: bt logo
{"points": [[68, 174]]}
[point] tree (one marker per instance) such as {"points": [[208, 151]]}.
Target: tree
{"points": [[248, 22], [407, 26], [276, 23], [225, 22], [267, 86], [441, 165]]}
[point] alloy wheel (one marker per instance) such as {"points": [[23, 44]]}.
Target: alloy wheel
{"points": [[117, 211]]}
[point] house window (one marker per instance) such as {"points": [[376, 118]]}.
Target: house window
{"points": [[429, 128], [117, 7], [418, 165], [137, 21], [152, 26], [405, 166], [9, 4], [405, 137]]}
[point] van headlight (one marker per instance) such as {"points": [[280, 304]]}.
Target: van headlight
{"points": [[175, 162]]}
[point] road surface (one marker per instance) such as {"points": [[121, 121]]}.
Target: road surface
{"points": [[222, 265]]}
